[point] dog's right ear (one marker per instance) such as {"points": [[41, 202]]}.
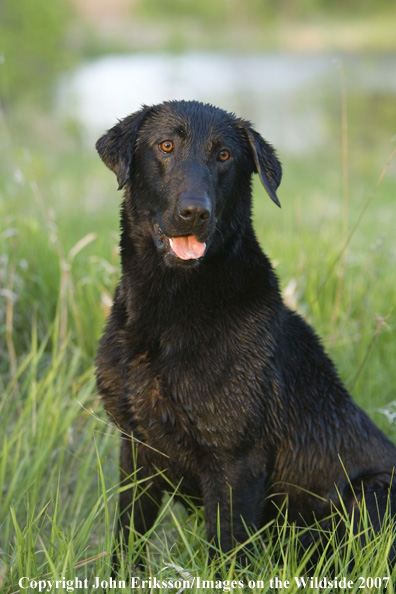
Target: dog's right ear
{"points": [[116, 147]]}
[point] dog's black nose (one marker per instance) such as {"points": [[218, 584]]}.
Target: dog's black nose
{"points": [[195, 209]]}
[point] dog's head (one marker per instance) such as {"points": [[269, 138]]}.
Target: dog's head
{"points": [[187, 168]]}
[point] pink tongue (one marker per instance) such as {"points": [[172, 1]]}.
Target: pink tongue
{"points": [[187, 248]]}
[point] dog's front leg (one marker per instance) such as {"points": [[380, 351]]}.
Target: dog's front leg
{"points": [[233, 502], [140, 496]]}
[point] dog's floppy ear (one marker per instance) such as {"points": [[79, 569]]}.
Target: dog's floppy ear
{"points": [[116, 147], [267, 164]]}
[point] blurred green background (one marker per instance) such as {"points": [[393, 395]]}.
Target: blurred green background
{"points": [[333, 242]]}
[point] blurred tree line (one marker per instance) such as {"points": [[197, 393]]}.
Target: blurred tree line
{"points": [[257, 9], [33, 47], [37, 44]]}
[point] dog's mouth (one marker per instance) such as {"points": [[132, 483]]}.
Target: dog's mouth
{"points": [[186, 247]]}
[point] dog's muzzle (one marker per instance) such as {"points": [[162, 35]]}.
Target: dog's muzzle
{"points": [[186, 247]]}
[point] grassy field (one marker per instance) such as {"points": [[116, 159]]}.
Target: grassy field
{"points": [[334, 246]]}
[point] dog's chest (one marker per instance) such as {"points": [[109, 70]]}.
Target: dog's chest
{"points": [[177, 404]]}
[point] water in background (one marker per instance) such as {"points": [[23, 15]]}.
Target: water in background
{"points": [[284, 95]]}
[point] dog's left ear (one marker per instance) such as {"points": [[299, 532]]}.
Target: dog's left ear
{"points": [[267, 164], [116, 147]]}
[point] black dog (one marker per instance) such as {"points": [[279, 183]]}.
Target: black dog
{"points": [[227, 390]]}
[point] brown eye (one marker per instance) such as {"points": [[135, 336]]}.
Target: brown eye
{"points": [[167, 146], [224, 155]]}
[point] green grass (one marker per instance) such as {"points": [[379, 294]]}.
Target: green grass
{"points": [[58, 269]]}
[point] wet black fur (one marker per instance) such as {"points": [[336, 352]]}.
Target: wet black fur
{"points": [[202, 361]]}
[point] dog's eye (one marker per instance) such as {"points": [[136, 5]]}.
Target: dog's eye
{"points": [[167, 146], [224, 155]]}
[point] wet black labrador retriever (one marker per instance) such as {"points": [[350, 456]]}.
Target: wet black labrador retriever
{"points": [[226, 390]]}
